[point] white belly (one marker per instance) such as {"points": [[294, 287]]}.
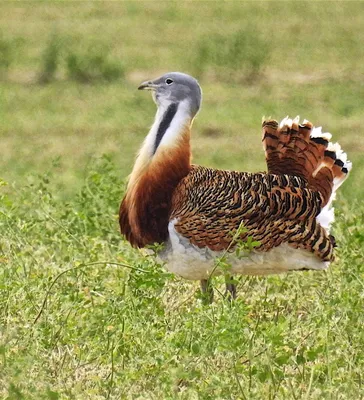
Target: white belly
{"points": [[194, 263]]}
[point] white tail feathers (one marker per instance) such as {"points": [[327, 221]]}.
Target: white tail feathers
{"points": [[317, 133]]}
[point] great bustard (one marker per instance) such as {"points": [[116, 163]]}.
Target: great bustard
{"points": [[195, 210]]}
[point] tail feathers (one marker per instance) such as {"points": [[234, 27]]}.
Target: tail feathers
{"points": [[300, 149]]}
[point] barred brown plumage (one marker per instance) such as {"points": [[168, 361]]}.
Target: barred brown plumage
{"points": [[197, 211], [209, 204]]}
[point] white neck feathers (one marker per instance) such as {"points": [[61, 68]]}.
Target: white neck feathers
{"points": [[170, 122]]}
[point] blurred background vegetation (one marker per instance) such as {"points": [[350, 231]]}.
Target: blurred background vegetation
{"points": [[69, 72]]}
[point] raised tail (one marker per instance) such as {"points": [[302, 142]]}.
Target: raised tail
{"points": [[295, 148]]}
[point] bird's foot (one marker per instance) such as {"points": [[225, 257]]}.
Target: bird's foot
{"points": [[230, 292], [207, 291]]}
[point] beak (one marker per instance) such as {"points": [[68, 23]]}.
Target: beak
{"points": [[148, 85]]}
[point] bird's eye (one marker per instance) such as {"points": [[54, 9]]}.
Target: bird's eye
{"points": [[169, 81]]}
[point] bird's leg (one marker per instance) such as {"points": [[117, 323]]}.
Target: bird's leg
{"points": [[230, 292], [207, 291]]}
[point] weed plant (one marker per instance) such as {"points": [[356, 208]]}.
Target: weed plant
{"points": [[6, 54], [85, 316], [50, 59], [92, 65], [241, 55], [85, 65]]}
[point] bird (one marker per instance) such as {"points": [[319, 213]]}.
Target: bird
{"points": [[202, 215]]}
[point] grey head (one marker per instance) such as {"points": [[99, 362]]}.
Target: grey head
{"points": [[175, 87]]}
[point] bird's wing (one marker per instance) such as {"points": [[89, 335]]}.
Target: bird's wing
{"points": [[209, 206]]}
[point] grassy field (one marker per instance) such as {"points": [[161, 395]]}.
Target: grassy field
{"points": [[84, 316]]}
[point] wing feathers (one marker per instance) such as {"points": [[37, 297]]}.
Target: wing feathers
{"points": [[209, 205]]}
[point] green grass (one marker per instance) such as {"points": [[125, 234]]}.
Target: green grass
{"points": [[84, 316]]}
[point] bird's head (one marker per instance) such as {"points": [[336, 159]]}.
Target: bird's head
{"points": [[175, 87]]}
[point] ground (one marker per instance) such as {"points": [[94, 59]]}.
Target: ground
{"points": [[84, 316]]}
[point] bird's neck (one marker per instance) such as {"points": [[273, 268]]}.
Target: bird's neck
{"points": [[167, 143], [164, 159]]}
